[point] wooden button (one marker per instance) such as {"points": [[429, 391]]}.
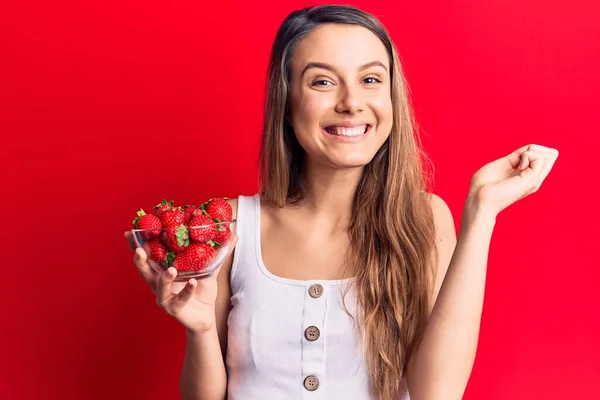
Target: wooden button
{"points": [[315, 290], [312, 333], [311, 383]]}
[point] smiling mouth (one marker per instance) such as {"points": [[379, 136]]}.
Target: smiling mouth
{"points": [[348, 131]]}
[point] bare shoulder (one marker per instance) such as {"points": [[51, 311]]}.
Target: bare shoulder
{"points": [[233, 202], [445, 239], [442, 215]]}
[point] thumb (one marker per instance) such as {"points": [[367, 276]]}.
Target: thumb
{"points": [[130, 240], [140, 256], [531, 176], [525, 182]]}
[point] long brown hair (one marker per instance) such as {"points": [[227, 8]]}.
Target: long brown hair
{"points": [[392, 224]]}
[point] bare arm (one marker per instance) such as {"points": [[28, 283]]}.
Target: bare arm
{"points": [[441, 364], [203, 375], [448, 346]]}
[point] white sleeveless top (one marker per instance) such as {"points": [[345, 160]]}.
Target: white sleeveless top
{"points": [[289, 339]]}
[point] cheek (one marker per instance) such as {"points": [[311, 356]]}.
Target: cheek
{"points": [[308, 111], [383, 109]]}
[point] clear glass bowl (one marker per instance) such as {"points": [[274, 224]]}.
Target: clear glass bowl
{"points": [[194, 251]]}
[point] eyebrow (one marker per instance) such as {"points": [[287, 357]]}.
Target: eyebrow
{"points": [[332, 69]]}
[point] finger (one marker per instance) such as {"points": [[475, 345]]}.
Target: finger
{"points": [[514, 158], [163, 287], [549, 164], [543, 149], [183, 296], [532, 162], [529, 157], [523, 162], [531, 177], [140, 259], [130, 240], [549, 160]]}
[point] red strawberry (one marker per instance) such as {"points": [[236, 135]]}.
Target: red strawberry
{"points": [[147, 221], [202, 228], [162, 207], [195, 258], [173, 218], [190, 211], [175, 239], [218, 209], [157, 252], [223, 233]]}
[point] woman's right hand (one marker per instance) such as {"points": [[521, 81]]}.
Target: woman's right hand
{"points": [[194, 305]]}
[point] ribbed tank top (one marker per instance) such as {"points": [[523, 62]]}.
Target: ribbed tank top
{"points": [[289, 339]]}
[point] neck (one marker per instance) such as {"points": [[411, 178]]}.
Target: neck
{"points": [[330, 192]]}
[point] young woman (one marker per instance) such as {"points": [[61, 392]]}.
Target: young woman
{"points": [[347, 280]]}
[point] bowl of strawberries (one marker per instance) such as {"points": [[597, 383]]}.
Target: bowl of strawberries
{"points": [[194, 239]]}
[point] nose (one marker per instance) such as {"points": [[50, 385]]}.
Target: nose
{"points": [[350, 101]]}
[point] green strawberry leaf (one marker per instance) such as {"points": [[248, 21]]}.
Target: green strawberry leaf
{"points": [[205, 204], [139, 214], [168, 261], [182, 235], [163, 203]]}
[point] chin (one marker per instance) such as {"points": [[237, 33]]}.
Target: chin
{"points": [[357, 161]]}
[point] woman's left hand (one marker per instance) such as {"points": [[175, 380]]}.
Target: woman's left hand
{"points": [[507, 180]]}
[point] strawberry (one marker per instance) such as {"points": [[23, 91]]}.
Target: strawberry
{"points": [[173, 218], [202, 228], [190, 211], [147, 221], [195, 257], [162, 207], [223, 233], [175, 239], [218, 209], [157, 252]]}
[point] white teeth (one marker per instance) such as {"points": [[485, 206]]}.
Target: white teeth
{"points": [[354, 131]]}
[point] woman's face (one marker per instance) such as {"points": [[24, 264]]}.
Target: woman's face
{"points": [[341, 106]]}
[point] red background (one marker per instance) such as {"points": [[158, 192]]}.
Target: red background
{"points": [[108, 107]]}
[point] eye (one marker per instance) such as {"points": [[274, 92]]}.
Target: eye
{"points": [[322, 82], [371, 80]]}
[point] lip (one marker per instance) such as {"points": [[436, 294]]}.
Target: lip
{"points": [[349, 139], [348, 124]]}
